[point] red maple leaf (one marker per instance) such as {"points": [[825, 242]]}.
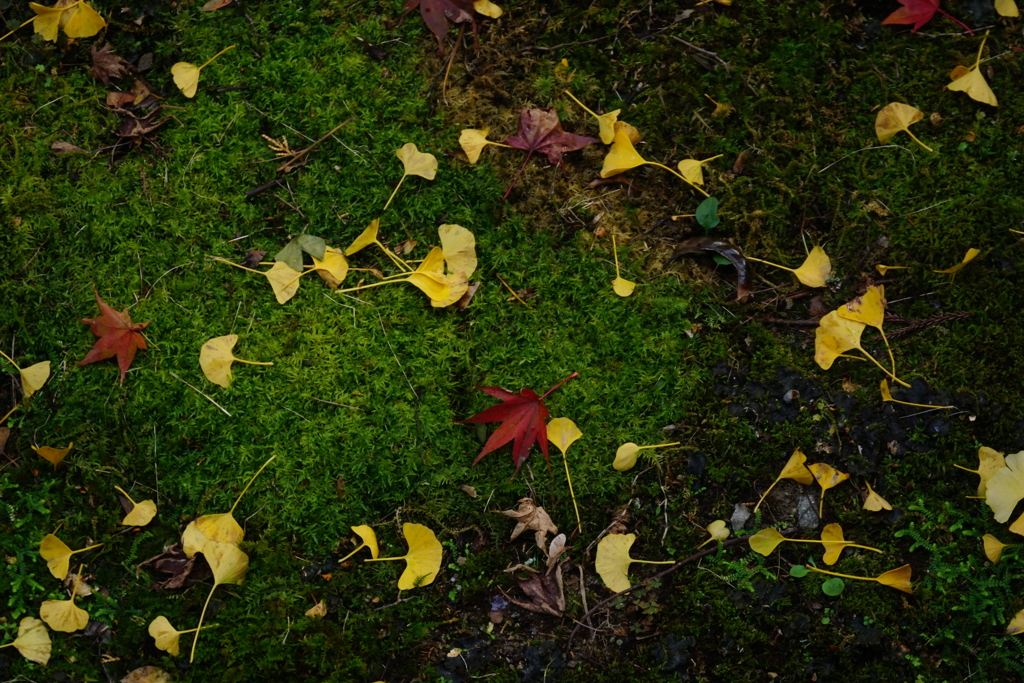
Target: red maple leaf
{"points": [[436, 14], [522, 417], [540, 130], [919, 13], [118, 336]]}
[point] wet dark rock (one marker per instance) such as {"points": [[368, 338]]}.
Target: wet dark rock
{"points": [[695, 464], [468, 654], [544, 663], [673, 655], [798, 625]]}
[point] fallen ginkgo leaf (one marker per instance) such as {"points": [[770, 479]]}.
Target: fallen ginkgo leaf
{"points": [[563, 432], [167, 637], [33, 377], [1007, 8], [887, 398], [693, 170], [623, 156], [968, 257], [832, 539], [1016, 626], [58, 555], [793, 469], [414, 162], [1006, 487], [835, 335], [229, 565], [971, 81], [827, 478], [882, 270], [875, 502], [814, 272], [64, 615], [895, 117], [869, 308], [215, 358], [368, 237], [186, 75], [369, 539], [283, 280], [33, 641], [613, 560], [605, 122], [473, 141], [625, 456], [423, 560], [620, 285], [993, 548], [898, 578], [990, 461], [458, 246], [220, 527], [141, 514], [53, 455], [719, 532]]}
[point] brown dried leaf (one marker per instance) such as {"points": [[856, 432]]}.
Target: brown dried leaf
{"points": [[118, 99], [530, 516], [214, 5], [544, 592], [468, 296], [107, 65], [185, 571], [252, 258], [66, 148], [469, 490]]}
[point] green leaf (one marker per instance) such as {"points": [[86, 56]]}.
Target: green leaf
{"points": [[707, 213], [799, 571], [833, 586], [291, 255], [314, 246]]}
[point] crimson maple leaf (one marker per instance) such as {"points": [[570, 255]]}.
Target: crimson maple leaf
{"points": [[919, 13], [522, 417], [540, 130], [118, 336]]}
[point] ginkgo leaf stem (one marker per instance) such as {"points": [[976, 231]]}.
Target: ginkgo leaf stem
{"points": [[967, 470], [82, 550], [518, 173], [230, 47], [258, 472], [582, 106], [769, 263], [572, 376], [358, 548], [250, 362], [125, 494], [20, 27], [717, 156], [660, 445], [847, 544], [678, 175], [202, 616], [652, 561], [924, 405], [369, 286], [954, 19], [766, 493], [884, 369], [892, 360], [400, 181], [9, 413], [393, 256], [384, 559], [615, 253], [684, 215], [232, 263], [843, 576], [193, 630], [981, 47], [565, 461], [9, 360], [914, 138], [513, 292]]}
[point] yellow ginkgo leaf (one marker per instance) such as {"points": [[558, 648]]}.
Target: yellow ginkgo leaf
{"points": [[369, 539], [626, 455], [47, 20], [1016, 626], [141, 514], [718, 530], [215, 358], [814, 272], [33, 641], [793, 469], [622, 156], [875, 502], [1006, 487], [834, 337], [64, 615], [827, 478], [473, 141], [458, 247], [895, 117], [887, 398], [221, 527], [283, 280], [1007, 8], [973, 82], [33, 377], [487, 8], [53, 455], [414, 162], [869, 308], [832, 539], [186, 75], [898, 578], [423, 560], [229, 565], [632, 134], [317, 611], [613, 560], [765, 541], [82, 21], [166, 636], [620, 285], [990, 461], [968, 257], [58, 555], [563, 432], [993, 548], [605, 122], [365, 238], [882, 270], [333, 268], [693, 170], [433, 285], [458, 285]]}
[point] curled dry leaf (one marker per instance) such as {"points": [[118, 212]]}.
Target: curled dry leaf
{"points": [[532, 517], [107, 65], [147, 674], [723, 248]]}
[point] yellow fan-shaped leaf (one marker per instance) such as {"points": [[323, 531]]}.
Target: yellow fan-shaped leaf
{"points": [[433, 285], [458, 285], [141, 514], [317, 611], [165, 635], [58, 555], [47, 20], [333, 268], [53, 455], [186, 77], [606, 126], [563, 432], [613, 560], [1007, 8], [990, 461], [284, 281], [369, 539], [625, 457], [458, 247], [63, 615], [215, 358], [34, 377], [417, 162], [898, 578], [1006, 487], [719, 532], [623, 287], [365, 239], [826, 476], [766, 541], [423, 560], [227, 562], [875, 502], [869, 308], [473, 141], [795, 468], [816, 268], [693, 170], [993, 548], [832, 535], [834, 337], [192, 539], [632, 134], [974, 84], [895, 117], [220, 528], [33, 641], [487, 8], [1016, 626], [968, 257], [83, 22], [622, 156]]}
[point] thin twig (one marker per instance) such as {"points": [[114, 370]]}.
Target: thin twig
{"points": [[400, 366], [201, 394], [513, 292], [701, 50], [863, 149], [340, 405]]}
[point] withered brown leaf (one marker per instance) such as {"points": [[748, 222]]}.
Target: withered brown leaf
{"points": [[107, 65], [533, 517]]}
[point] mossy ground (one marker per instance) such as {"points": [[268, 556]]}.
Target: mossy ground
{"points": [[804, 81]]}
